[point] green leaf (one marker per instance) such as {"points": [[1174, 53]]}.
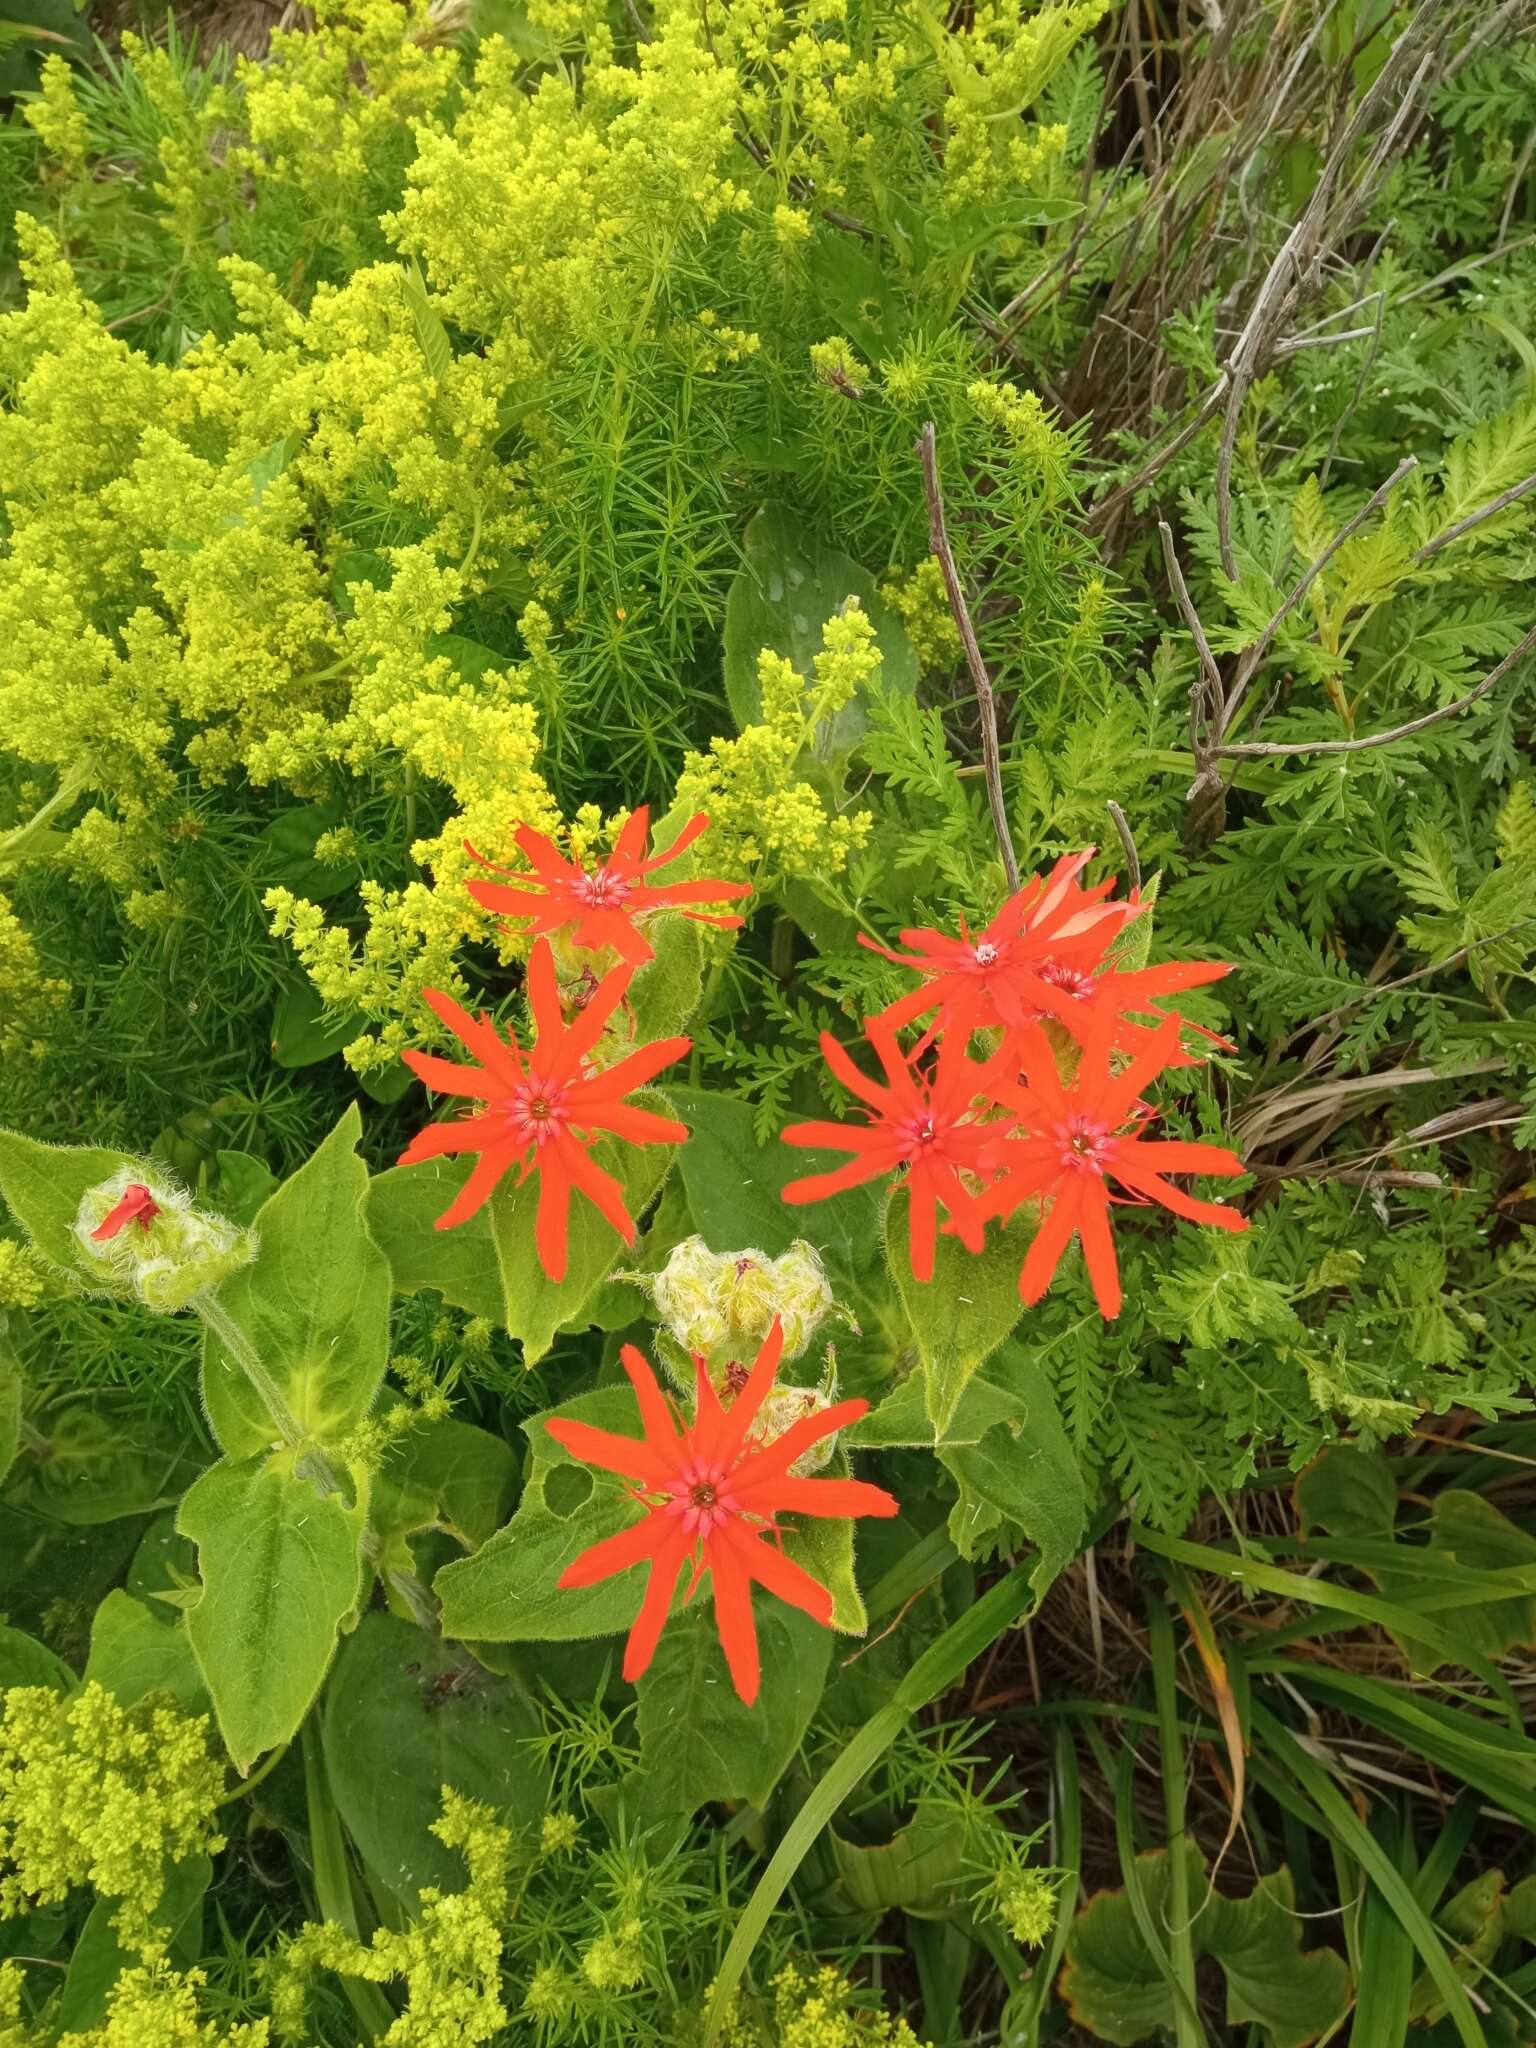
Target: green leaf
{"points": [[1114, 1989], [1022, 1471], [43, 1186], [426, 322], [534, 1306], [282, 1571], [1293, 1996], [791, 583], [960, 1316], [735, 1190], [244, 1183], [697, 1740], [406, 1716], [459, 1264], [490, 1264], [137, 1649], [101, 1467], [447, 1473], [25, 1661], [302, 1033], [99, 1959], [1348, 1490], [10, 1409], [314, 1303], [824, 1546], [665, 992], [507, 1592], [288, 860], [922, 1869]]}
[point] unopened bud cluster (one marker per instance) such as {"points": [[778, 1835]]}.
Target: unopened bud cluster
{"points": [[139, 1234], [723, 1304], [720, 1306]]}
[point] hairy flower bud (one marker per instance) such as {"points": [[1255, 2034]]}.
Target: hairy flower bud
{"points": [[786, 1406], [723, 1304], [139, 1234]]}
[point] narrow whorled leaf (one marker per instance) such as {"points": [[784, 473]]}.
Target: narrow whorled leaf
{"points": [[282, 1570], [10, 1409], [404, 1717], [314, 1303]]}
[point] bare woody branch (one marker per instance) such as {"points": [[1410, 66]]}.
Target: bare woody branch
{"points": [[1275, 749], [938, 541]]}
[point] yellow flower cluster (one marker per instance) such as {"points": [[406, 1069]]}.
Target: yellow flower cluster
{"points": [[56, 115], [767, 820], [921, 603], [96, 1794], [24, 1279], [821, 2009], [449, 1957], [156, 2007]]}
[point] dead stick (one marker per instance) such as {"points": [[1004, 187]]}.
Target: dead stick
{"points": [[938, 541], [1272, 749]]}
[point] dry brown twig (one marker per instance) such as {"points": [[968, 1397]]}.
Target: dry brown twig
{"points": [[981, 682]]}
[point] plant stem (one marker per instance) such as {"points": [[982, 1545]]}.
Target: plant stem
{"points": [[240, 1348], [938, 540], [939, 1666]]}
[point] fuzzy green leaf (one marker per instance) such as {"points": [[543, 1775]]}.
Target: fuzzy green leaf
{"points": [[404, 1717], [960, 1316], [282, 1571], [43, 1186], [507, 1592], [314, 1303], [449, 1474], [698, 1742], [460, 1264], [791, 584], [137, 1648]]}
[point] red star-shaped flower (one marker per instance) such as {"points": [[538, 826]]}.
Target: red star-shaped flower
{"points": [[601, 904], [1001, 977], [710, 1498], [1072, 1138], [932, 1125], [544, 1108], [136, 1205]]}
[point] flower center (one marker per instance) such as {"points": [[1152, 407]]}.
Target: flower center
{"points": [[917, 1133], [537, 1111], [1083, 1146], [603, 890], [1071, 980], [986, 954], [701, 1495]]}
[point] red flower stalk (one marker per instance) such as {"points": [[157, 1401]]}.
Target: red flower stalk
{"points": [[929, 1126], [137, 1205], [1000, 978], [602, 903], [543, 1107], [710, 1498], [1074, 1138]]}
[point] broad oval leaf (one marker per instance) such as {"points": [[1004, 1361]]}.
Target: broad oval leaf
{"points": [[137, 1648], [282, 1570], [960, 1316], [314, 1303], [406, 1716]]}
